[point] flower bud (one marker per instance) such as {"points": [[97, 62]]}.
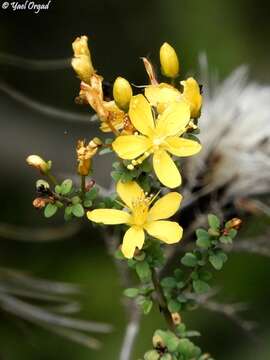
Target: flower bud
{"points": [[122, 93], [151, 355], [82, 63], [158, 341], [169, 61], [234, 223], [192, 95], [37, 162], [176, 318]]}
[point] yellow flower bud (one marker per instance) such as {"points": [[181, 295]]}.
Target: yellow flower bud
{"points": [[82, 63], [169, 61], [122, 93], [37, 162], [192, 95]]}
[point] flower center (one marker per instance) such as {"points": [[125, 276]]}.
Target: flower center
{"points": [[140, 210], [157, 141]]}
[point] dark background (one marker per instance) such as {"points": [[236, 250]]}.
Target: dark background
{"points": [[231, 33]]}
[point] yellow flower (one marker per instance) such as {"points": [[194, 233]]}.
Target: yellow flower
{"points": [[122, 93], [141, 216], [163, 94], [82, 63], [169, 61], [192, 95], [158, 137]]}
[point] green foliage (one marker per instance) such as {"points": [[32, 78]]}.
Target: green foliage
{"points": [[50, 210], [175, 346]]}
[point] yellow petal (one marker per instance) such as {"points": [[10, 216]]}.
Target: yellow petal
{"points": [[168, 231], [182, 147], [161, 95], [166, 170], [140, 114], [192, 95], [134, 238], [129, 191], [165, 207], [109, 216], [174, 119], [131, 146]]}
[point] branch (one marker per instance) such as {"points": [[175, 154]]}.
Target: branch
{"points": [[131, 308]]}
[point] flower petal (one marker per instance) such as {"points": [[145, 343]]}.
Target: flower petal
{"points": [[134, 238], [129, 191], [182, 147], [168, 231], [192, 95], [140, 114], [165, 207], [161, 95], [109, 216], [174, 119], [166, 170], [131, 146]]}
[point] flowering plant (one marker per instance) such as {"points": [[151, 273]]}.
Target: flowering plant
{"points": [[152, 127]]}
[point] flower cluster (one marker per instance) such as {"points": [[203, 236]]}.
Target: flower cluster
{"points": [[149, 129], [156, 123]]}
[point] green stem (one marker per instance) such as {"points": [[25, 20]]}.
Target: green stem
{"points": [[52, 178], [162, 300]]}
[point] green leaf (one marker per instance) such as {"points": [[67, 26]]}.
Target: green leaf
{"points": [[217, 260], [66, 186], [168, 282], [203, 239], [232, 233], [92, 194], [50, 210], [147, 306], [200, 286], [225, 239], [131, 292], [189, 260], [105, 151], [146, 166], [143, 270], [213, 221], [116, 175], [58, 189], [185, 347], [68, 213], [174, 306], [87, 203], [75, 200], [172, 343], [78, 210]]}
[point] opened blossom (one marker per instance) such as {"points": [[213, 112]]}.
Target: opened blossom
{"points": [[141, 215], [158, 136], [163, 94]]}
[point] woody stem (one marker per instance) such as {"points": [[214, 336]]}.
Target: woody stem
{"points": [[83, 186], [162, 302]]}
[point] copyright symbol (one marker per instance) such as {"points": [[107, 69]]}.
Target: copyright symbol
{"points": [[5, 5]]}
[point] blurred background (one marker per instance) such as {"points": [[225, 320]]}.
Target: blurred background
{"points": [[230, 33]]}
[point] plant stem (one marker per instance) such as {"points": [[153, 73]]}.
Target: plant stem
{"points": [[162, 300], [83, 186], [52, 178]]}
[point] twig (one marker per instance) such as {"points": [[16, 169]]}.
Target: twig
{"points": [[34, 64], [131, 308], [44, 109]]}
